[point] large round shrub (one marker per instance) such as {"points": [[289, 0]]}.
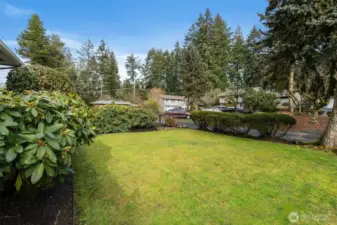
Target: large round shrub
{"points": [[38, 134], [38, 78], [115, 118]]}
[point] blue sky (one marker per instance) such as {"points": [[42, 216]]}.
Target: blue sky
{"points": [[127, 26]]}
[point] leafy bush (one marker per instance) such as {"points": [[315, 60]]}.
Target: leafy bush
{"points": [[271, 124], [170, 121], [38, 134], [38, 78], [141, 118], [152, 105], [228, 122], [199, 118], [268, 124], [115, 118], [260, 101]]}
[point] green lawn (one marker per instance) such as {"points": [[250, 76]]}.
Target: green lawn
{"points": [[192, 177]]}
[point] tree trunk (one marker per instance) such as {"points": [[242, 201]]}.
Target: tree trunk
{"points": [[291, 88], [330, 135]]}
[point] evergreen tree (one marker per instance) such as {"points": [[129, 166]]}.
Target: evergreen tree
{"points": [[305, 32], [204, 26], [255, 58], [89, 84], [220, 45], [112, 80], [40, 48], [154, 70], [174, 83], [194, 80], [132, 66], [237, 75], [107, 69], [33, 42], [190, 37]]}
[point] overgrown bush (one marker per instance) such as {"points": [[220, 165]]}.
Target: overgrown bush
{"points": [[152, 105], [38, 78], [170, 121], [268, 124], [38, 134], [260, 101], [271, 124], [199, 118], [228, 122], [115, 118]]}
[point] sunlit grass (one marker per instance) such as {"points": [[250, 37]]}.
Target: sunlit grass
{"points": [[193, 177]]}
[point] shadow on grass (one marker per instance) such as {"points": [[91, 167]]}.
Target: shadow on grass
{"points": [[99, 198]]}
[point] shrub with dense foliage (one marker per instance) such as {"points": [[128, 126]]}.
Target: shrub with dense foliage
{"points": [[227, 122], [268, 124], [261, 101], [115, 118], [271, 124], [38, 78], [38, 134], [170, 121], [152, 105]]}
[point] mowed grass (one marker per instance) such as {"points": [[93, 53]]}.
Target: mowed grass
{"points": [[193, 177]]}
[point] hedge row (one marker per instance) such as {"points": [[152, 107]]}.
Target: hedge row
{"points": [[38, 78], [268, 124], [115, 118], [38, 134]]}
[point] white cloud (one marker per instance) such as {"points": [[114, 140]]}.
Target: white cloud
{"points": [[13, 11]]}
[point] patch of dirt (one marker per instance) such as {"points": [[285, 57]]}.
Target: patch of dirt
{"points": [[49, 207], [304, 123]]}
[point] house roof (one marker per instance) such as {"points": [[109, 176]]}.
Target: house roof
{"points": [[174, 97], [112, 101], [7, 57]]}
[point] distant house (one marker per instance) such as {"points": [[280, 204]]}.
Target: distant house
{"points": [[167, 102], [228, 97], [112, 101]]}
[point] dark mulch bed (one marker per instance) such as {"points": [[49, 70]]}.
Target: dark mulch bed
{"points": [[49, 207]]}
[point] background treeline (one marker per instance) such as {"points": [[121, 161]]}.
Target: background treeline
{"points": [[212, 56]]}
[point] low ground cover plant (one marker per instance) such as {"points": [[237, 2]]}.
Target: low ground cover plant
{"points": [[38, 134]]}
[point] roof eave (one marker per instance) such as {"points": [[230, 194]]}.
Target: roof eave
{"points": [[13, 58]]}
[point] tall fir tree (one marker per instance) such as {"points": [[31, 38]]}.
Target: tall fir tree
{"points": [[154, 69], [175, 86], [132, 66], [194, 80], [305, 32], [220, 44], [107, 69], [33, 42], [256, 55], [39, 48], [239, 52], [88, 84]]}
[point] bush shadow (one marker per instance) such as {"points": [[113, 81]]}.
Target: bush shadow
{"points": [[99, 199]]}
